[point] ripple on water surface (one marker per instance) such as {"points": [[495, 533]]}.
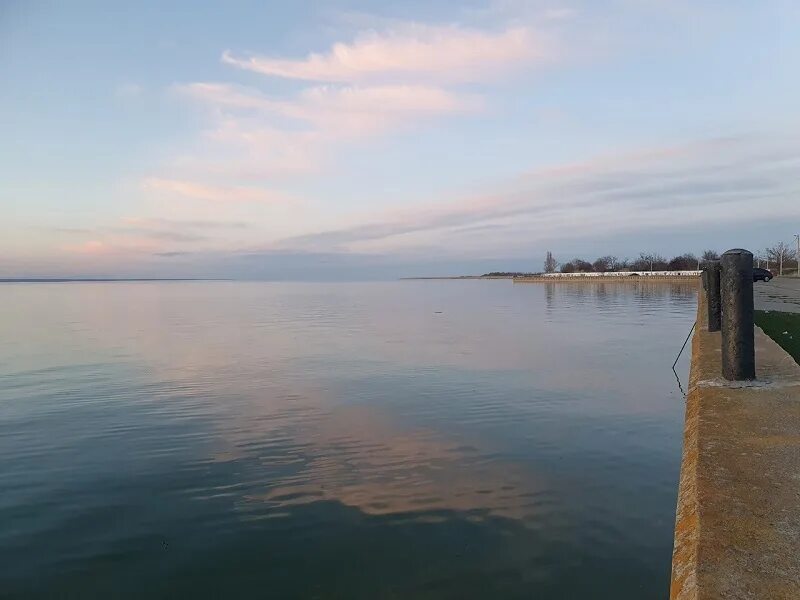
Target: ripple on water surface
{"points": [[411, 439]]}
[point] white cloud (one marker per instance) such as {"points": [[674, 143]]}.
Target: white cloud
{"points": [[411, 52]]}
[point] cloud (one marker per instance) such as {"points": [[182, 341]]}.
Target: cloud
{"points": [[156, 222], [725, 180], [255, 136], [411, 52], [170, 254], [210, 193], [382, 81], [70, 230], [354, 109], [89, 247], [228, 96], [161, 235], [113, 245], [349, 110], [239, 148], [146, 235]]}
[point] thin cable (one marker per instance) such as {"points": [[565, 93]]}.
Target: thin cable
{"points": [[677, 377], [686, 341]]}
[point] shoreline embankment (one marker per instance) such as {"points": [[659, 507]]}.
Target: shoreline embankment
{"points": [[599, 278], [737, 528], [618, 277]]}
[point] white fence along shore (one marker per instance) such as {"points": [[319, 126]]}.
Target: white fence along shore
{"points": [[625, 274]]}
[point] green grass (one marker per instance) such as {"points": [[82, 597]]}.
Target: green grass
{"points": [[783, 327]]}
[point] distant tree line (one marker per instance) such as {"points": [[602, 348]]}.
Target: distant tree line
{"points": [[644, 262], [779, 258]]}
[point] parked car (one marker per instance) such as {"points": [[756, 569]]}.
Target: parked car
{"points": [[761, 274]]}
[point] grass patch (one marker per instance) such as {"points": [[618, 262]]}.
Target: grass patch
{"points": [[783, 327]]}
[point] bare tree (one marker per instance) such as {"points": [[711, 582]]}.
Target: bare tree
{"points": [[650, 261], [684, 262], [576, 265], [550, 263], [601, 265], [604, 264], [582, 266], [779, 253], [710, 255]]}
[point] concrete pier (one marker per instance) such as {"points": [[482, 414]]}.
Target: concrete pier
{"points": [[737, 530]]}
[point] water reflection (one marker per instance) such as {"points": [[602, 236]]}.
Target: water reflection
{"points": [[441, 439], [609, 295]]}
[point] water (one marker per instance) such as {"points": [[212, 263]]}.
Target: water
{"points": [[428, 439]]}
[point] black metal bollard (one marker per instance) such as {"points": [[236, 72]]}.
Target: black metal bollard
{"points": [[713, 295], [738, 338]]}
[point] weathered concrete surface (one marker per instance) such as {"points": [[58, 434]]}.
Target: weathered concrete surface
{"points": [[737, 531]]}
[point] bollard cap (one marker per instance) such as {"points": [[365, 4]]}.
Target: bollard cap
{"points": [[736, 251]]}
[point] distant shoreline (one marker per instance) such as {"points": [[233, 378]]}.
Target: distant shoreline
{"points": [[609, 279], [459, 277], [100, 279], [541, 279]]}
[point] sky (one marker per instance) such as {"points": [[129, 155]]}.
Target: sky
{"points": [[370, 140]]}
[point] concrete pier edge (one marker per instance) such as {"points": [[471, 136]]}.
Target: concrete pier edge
{"points": [[737, 526]]}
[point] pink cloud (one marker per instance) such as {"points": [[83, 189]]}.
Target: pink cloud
{"points": [[210, 193], [449, 53], [650, 188], [326, 104], [113, 245], [244, 148], [228, 96], [89, 247], [250, 137], [380, 82], [349, 109]]}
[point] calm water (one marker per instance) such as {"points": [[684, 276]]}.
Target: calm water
{"points": [[436, 439]]}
